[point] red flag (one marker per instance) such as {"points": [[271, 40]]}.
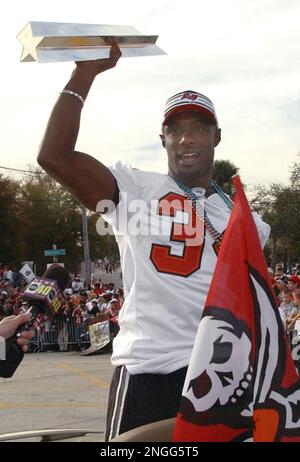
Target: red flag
{"points": [[241, 383]]}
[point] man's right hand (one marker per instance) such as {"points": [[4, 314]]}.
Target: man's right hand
{"points": [[98, 66]]}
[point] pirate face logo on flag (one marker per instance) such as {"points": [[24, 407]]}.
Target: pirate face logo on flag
{"points": [[233, 384], [223, 372]]}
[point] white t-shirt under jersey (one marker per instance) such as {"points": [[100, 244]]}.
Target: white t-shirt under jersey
{"points": [[162, 309]]}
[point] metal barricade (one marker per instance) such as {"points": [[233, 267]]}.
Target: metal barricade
{"points": [[61, 335]]}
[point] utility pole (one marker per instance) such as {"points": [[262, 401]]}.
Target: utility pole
{"points": [[86, 248], [54, 256]]}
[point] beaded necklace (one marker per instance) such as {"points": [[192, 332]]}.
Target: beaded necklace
{"points": [[201, 212]]}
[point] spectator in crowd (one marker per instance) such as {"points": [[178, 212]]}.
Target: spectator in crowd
{"points": [[92, 307], [77, 316], [68, 316], [279, 287], [98, 288], [293, 283], [40, 333], [279, 270], [84, 327], [295, 313], [1, 271], [295, 332], [103, 311], [61, 325], [113, 308], [120, 294], [17, 278], [8, 274], [49, 330], [287, 305], [282, 316], [77, 285]]}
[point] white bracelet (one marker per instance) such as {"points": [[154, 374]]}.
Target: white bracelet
{"points": [[70, 92]]}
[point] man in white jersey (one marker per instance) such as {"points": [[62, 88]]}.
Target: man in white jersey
{"points": [[167, 264]]}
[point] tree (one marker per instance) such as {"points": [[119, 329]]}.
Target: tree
{"points": [[294, 211], [295, 175], [101, 245], [50, 215], [223, 171], [35, 214], [10, 224], [280, 207]]}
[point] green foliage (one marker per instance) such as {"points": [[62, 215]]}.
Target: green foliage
{"points": [[280, 207], [223, 171], [50, 216], [10, 224], [37, 213], [101, 246]]}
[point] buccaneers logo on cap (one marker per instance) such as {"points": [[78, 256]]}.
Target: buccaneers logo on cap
{"points": [[190, 96]]}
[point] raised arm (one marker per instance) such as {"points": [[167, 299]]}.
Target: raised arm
{"points": [[84, 176]]}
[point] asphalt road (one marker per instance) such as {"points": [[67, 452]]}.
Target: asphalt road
{"points": [[55, 390]]}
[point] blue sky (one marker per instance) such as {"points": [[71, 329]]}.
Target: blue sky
{"points": [[244, 55]]}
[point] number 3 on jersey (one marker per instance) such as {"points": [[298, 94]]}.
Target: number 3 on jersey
{"points": [[189, 233]]}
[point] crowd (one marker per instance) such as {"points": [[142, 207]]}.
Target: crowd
{"points": [[287, 291], [69, 330], [88, 304], [107, 265]]}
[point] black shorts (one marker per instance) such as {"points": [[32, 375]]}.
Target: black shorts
{"points": [[136, 400]]}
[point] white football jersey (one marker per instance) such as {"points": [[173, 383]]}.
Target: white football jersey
{"points": [[165, 280]]}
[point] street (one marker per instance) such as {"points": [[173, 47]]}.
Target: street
{"points": [[55, 390]]}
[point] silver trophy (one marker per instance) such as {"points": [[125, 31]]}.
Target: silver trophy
{"points": [[46, 42]]}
